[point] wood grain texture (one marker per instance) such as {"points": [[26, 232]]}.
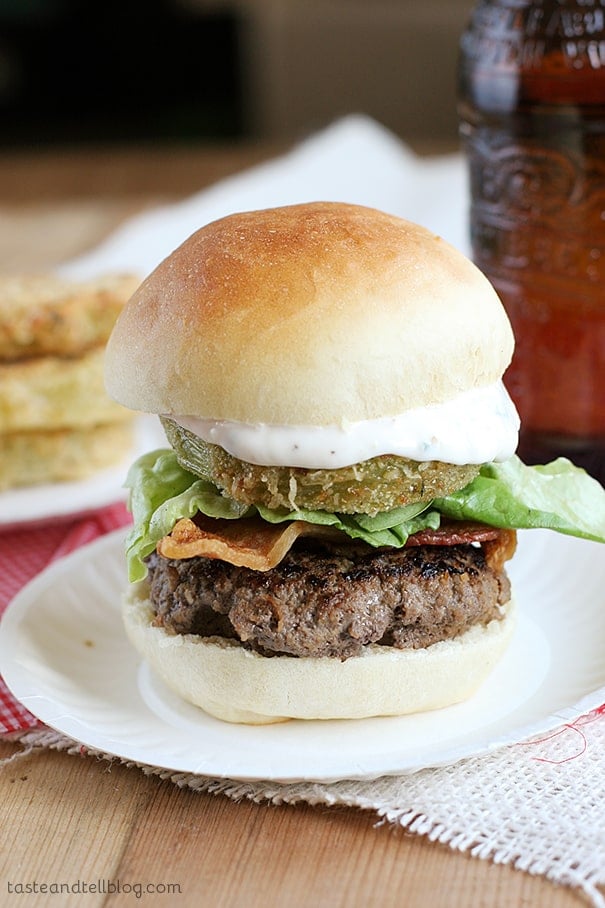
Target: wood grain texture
{"points": [[70, 819]]}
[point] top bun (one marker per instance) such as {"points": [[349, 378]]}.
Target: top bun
{"points": [[311, 314]]}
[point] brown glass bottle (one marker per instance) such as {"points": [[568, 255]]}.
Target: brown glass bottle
{"points": [[532, 115]]}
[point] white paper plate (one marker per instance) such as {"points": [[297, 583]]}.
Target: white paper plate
{"points": [[55, 501], [63, 653]]}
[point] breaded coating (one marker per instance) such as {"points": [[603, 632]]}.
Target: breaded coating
{"points": [[44, 315], [378, 484], [52, 393], [31, 458]]}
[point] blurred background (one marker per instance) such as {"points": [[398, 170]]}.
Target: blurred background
{"points": [[76, 73]]}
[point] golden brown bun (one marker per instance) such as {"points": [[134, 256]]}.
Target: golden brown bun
{"points": [[311, 315], [238, 685]]}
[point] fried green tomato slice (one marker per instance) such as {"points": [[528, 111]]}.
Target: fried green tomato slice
{"points": [[375, 485]]}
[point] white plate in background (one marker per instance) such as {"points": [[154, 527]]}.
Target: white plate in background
{"points": [[50, 502]]}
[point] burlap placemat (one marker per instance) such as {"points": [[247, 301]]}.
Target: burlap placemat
{"points": [[537, 806]]}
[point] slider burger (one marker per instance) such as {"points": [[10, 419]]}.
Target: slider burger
{"points": [[328, 534]]}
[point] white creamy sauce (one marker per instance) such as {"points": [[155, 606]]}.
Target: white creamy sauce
{"points": [[478, 426]]}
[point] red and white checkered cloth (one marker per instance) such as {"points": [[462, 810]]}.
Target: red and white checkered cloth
{"points": [[24, 552]]}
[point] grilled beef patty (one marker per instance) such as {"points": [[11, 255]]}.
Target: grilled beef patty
{"points": [[331, 600]]}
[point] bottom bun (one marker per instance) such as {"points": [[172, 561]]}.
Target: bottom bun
{"points": [[239, 685]]}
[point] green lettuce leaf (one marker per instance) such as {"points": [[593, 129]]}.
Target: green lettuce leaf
{"points": [[162, 492], [558, 496], [390, 528]]}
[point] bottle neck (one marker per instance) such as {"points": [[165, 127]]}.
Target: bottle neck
{"points": [[543, 52]]}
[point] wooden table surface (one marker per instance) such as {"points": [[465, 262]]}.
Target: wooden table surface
{"points": [[67, 818]]}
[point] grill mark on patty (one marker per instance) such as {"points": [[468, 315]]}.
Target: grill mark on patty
{"points": [[329, 600]]}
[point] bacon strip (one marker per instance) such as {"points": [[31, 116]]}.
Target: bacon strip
{"points": [[455, 532], [258, 545], [498, 545], [501, 549], [251, 543]]}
